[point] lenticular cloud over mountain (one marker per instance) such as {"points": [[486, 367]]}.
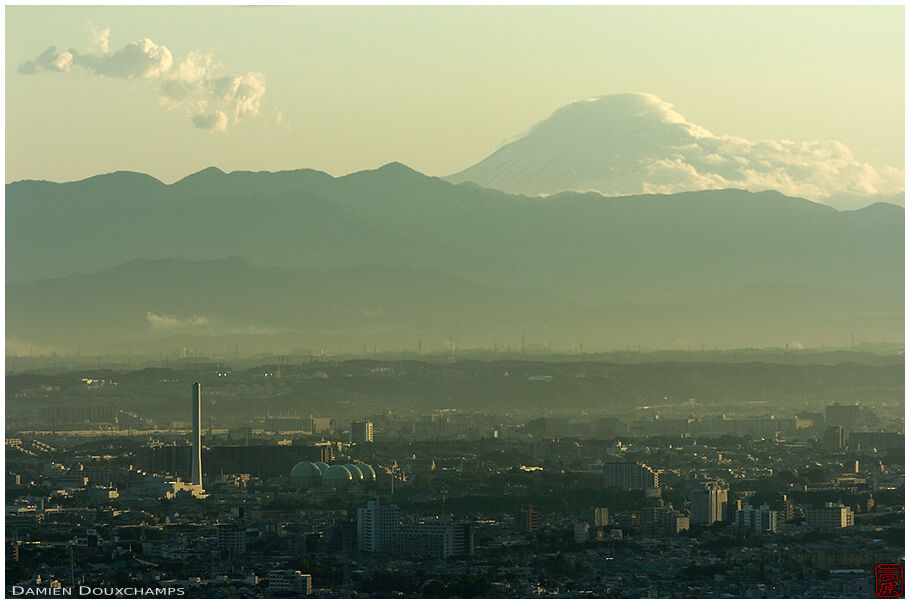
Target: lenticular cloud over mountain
{"points": [[623, 144]]}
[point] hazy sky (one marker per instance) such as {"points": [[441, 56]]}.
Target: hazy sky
{"points": [[342, 89]]}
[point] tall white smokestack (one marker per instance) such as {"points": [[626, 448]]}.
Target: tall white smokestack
{"points": [[197, 435]]}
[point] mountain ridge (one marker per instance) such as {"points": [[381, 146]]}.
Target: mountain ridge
{"points": [[584, 245], [396, 170]]}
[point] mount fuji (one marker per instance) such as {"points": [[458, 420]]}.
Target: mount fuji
{"points": [[634, 143]]}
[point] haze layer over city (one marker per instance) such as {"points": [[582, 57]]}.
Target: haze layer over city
{"points": [[455, 301]]}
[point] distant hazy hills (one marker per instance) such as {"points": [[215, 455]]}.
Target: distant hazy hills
{"points": [[165, 304], [91, 264], [157, 299]]}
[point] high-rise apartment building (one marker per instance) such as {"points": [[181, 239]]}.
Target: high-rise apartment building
{"points": [[835, 438], [708, 504], [437, 538], [232, 539], [464, 539], [362, 432], [596, 517], [881, 441], [320, 425], [663, 520], [433, 539], [761, 519], [842, 415], [831, 517], [377, 526], [528, 519]]}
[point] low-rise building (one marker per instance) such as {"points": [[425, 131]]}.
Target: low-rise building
{"points": [[630, 475], [290, 582]]}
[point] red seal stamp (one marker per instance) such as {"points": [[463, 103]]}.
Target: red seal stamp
{"points": [[889, 580]]}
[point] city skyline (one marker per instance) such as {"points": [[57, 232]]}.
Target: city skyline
{"points": [[485, 302]]}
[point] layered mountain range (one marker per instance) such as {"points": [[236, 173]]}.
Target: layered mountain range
{"points": [[303, 260]]}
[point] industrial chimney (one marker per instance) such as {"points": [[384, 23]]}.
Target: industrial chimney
{"points": [[197, 436]]}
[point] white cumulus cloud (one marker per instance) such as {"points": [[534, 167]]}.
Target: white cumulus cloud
{"points": [[216, 120], [142, 59], [195, 82], [49, 60], [101, 39]]}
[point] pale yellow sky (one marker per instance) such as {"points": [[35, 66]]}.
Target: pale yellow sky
{"points": [[437, 88]]}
